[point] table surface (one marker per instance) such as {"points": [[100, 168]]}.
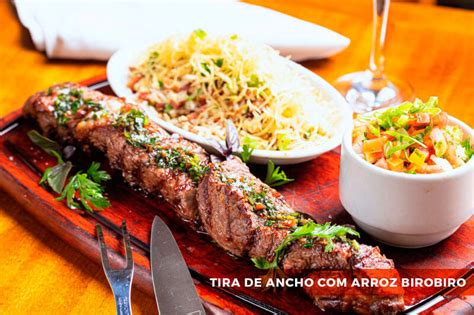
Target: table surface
{"points": [[431, 47]]}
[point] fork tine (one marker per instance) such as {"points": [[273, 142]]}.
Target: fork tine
{"points": [[103, 248], [126, 243]]}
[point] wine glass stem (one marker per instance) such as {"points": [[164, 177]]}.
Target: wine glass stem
{"points": [[378, 41]]}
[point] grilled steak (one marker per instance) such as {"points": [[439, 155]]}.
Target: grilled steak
{"points": [[148, 157], [354, 263], [246, 217], [243, 215]]}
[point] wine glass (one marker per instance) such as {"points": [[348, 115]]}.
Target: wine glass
{"points": [[371, 89]]}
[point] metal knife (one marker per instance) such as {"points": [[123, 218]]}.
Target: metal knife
{"points": [[174, 288]]}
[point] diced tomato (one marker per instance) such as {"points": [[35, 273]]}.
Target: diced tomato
{"points": [[370, 135], [175, 105], [288, 223], [413, 132], [126, 107], [422, 119], [131, 83], [373, 157], [143, 95], [412, 168], [427, 141]]}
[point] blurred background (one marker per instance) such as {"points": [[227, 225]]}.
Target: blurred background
{"points": [[465, 4]]}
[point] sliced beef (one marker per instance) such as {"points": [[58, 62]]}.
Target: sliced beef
{"points": [[231, 218], [349, 262], [299, 259], [235, 216], [91, 127]]}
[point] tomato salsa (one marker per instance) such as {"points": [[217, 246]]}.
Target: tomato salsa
{"points": [[414, 137]]}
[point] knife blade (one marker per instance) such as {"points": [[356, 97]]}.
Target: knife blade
{"points": [[174, 288]]}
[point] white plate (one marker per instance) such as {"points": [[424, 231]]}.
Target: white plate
{"points": [[117, 75]]}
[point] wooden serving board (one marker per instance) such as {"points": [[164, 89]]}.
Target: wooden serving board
{"points": [[314, 191]]}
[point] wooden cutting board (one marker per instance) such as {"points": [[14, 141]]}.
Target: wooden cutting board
{"points": [[314, 191]]}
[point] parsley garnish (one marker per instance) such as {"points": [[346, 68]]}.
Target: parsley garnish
{"points": [[168, 108], [326, 231], [68, 102], [219, 62], [246, 153], [276, 177], [134, 125], [178, 159], [134, 120], [85, 188], [86, 185], [96, 174]]}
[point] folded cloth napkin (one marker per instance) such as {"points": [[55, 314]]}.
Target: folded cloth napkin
{"points": [[91, 29]]}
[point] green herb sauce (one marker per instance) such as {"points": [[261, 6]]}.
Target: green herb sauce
{"points": [[134, 124], [262, 205], [68, 102]]}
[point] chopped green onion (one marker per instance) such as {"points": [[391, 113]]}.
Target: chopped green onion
{"points": [[466, 144]]}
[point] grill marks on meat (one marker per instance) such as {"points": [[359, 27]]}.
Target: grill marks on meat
{"points": [[243, 215], [228, 216], [233, 222], [350, 263], [137, 164], [300, 259], [139, 169]]}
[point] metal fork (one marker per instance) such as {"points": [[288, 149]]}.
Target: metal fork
{"points": [[120, 280]]}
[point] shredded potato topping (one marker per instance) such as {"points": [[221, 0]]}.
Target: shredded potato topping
{"points": [[198, 81]]}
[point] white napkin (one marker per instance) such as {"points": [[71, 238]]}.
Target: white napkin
{"points": [[90, 29]]}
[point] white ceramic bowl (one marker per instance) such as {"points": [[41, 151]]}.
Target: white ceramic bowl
{"points": [[117, 75], [405, 210]]}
